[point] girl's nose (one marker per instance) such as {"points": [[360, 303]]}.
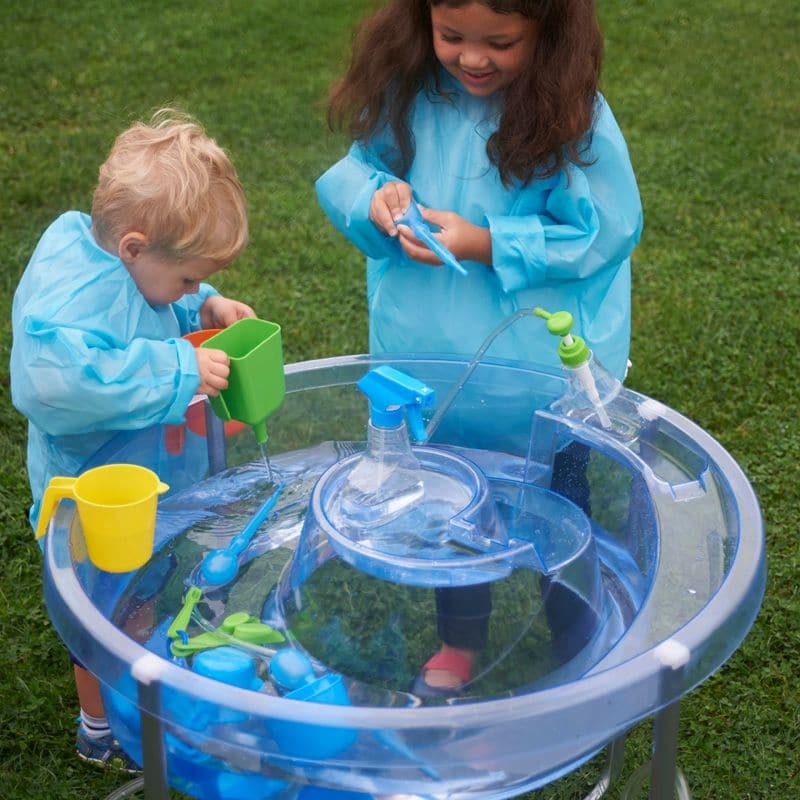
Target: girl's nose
{"points": [[472, 59]]}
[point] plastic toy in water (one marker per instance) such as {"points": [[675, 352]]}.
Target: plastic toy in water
{"points": [[256, 384], [294, 674], [221, 565], [238, 628], [624, 566], [414, 219], [117, 507]]}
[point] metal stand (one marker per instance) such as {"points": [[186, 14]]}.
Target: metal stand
{"points": [[614, 758], [215, 440], [665, 778], [146, 673]]}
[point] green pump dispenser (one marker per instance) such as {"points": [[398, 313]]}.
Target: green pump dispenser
{"points": [[577, 359]]}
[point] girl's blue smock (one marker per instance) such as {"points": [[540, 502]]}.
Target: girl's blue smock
{"points": [[90, 356], [561, 243]]}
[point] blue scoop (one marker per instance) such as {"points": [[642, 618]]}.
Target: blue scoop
{"points": [[413, 218], [221, 565]]}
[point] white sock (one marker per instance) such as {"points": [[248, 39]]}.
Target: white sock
{"points": [[94, 727]]}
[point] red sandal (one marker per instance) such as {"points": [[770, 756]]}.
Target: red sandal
{"points": [[448, 659]]}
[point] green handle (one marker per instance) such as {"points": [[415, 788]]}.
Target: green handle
{"points": [[181, 621], [239, 626]]}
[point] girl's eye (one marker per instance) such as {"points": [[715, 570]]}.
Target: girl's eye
{"points": [[450, 39], [503, 46]]}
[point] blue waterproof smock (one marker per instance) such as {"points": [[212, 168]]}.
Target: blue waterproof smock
{"points": [[90, 356], [561, 243]]}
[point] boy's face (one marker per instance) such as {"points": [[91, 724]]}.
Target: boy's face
{"points": [[163, 280], [482, 49]]}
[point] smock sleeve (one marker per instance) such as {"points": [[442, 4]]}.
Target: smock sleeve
{"points": [[187, 309], [345, 193], [592, 218], [68, 380]]}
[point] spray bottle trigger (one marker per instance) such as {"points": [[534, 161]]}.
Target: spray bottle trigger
{"points": [[415, 423]]}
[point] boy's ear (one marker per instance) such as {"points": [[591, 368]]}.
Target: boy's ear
{"points": [[131, 246]]}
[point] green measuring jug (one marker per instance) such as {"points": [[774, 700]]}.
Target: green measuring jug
{"points": [[256, 384]]}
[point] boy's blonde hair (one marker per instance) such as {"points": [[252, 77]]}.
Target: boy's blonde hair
{"points": [[168, 180]]}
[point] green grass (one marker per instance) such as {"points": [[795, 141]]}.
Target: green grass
{"points": [[706, 94]]}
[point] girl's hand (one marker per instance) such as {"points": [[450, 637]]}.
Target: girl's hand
{"points": [[388, 203], [213, 366], [467, 242], [219, 312]]}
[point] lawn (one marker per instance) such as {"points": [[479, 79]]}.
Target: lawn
{"points": [[707, 96]]}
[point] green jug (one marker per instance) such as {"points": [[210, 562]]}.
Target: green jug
{"points": [[256, 384]]}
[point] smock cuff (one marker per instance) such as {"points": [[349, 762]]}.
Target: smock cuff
{"points": [[372, 241], [187, 379], [519, 256]]}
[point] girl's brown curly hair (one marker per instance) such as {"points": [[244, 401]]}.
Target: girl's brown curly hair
{"points": [[547, 110]]}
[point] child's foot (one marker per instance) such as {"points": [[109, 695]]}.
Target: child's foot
{"points": [[446, 673], [105, 752]]}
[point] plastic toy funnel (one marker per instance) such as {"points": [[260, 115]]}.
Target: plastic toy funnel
{"points": [[412, 217], [256, 384], [117, 508]]}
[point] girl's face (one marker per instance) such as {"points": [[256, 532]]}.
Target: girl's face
{"points": [[481, 48]]}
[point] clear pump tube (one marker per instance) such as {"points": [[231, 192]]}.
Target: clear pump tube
{"points": [[469, 369]]}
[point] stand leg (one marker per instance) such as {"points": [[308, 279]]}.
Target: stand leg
{"points": [[612, 769], [215, 440], [674, 657], [665, 751], [145, 672]]}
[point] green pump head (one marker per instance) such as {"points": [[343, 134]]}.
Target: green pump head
{"points": [[572, 350]]}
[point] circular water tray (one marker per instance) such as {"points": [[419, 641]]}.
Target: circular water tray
{"points": [[657, 538]]}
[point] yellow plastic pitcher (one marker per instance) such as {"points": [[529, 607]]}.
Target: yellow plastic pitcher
{"points": [[117, 508]]}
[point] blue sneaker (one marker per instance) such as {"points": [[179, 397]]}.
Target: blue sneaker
{"points": [[105, 752]]}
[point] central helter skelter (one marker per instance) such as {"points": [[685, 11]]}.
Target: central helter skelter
{"points": [[425, 516]]}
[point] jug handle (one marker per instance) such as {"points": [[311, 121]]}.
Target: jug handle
{"points": [[59, 488]]}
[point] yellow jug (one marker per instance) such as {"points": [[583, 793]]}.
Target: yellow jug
{"points": [[117, 508]]}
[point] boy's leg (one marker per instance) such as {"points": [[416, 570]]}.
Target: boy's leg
{"points": [[95, 742]]}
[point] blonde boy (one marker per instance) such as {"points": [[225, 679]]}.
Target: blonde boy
{"points": [[100, 310]]}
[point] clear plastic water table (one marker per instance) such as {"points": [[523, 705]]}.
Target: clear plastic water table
{"points": [[607, 569]]}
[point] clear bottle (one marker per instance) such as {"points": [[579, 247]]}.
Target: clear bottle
{"points": [[387, 481]]}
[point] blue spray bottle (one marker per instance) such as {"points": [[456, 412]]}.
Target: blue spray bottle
{"points": [[386, 482]]}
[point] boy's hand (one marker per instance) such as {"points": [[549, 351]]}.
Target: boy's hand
{"points": [[219, 312], [467, 242], [388, 203], [213, 366]]}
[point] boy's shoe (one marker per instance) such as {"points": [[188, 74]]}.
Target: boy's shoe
{"points": [[105, 752]]}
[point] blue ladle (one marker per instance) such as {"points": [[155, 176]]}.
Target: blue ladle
{"points": [[221, 565], [413, 218]]}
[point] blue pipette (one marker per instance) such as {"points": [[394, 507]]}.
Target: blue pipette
{"points": [[221, 565], [413, 218]]}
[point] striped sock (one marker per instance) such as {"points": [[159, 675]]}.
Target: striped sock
{"points": [[94, 727]]}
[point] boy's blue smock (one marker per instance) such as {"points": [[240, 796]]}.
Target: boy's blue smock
{"points": [[560, 243], [90, 356]]}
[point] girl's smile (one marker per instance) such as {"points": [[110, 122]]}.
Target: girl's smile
{"points": [[481, 48]]}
